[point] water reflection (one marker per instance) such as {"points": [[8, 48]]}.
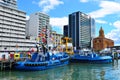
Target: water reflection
{"points": [[70, 72], [115, 64]]}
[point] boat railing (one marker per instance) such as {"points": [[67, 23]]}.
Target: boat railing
{"points": [[23, 58], [87, 53]]}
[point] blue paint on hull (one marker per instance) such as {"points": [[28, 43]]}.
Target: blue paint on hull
{"points": [[90, 59], [60, 60]]}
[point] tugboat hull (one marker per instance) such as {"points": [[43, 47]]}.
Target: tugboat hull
{"points": [[42, 65]]}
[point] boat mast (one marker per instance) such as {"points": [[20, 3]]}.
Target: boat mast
{"points": [[46, 35], [45, 45]]}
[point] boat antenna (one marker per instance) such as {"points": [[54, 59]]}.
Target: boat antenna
{"points": [[46, 36]]}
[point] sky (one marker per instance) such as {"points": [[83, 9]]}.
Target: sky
{"points": [[105, 12]]}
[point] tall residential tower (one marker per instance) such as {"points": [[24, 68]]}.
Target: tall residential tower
{"points": [[81, 30]]}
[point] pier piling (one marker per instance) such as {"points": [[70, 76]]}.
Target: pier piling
{"points": [[4, 65]]}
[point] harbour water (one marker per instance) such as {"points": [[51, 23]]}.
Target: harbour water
{"points": [[73, 71]]}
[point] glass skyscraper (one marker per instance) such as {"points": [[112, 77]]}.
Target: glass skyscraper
{"points": [[65, 30], [81, 30]]}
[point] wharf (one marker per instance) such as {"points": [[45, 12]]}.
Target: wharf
{"points": [[6, 65]]}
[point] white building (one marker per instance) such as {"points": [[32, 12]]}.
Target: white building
{"points": [[9, 3], [12, 28], [37, 22]]}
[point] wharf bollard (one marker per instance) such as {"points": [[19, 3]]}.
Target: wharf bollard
{"points": [[116, 55]]}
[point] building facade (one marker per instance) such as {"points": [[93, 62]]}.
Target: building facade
{"points": [[56, 38], [37, 24], [65, 31], [9, 3], [81, 29], [101, 42], [12, 28]]}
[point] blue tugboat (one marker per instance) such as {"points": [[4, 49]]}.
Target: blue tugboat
{"points": [[90, 57], [42, 62]]}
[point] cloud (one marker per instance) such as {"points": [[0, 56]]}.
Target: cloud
{"points": [[34, 2], [56, 21], [100, 21], [114, 36], [59, 22], [114, 33], [27, 17], [84, 1], [117, 24], [106, 8], [48, 5]]}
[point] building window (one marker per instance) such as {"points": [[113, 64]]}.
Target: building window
{"points": [[99, 41], [95, 41]]}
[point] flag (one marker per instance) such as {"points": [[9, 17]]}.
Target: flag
{"points": [[43, 40], [38, 38], [44, 30], [41, 35]]}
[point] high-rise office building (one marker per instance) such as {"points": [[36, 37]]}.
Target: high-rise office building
{"points": [[65, 31], [12, 28], [36, 25], [37, 22], [81, 30]]}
